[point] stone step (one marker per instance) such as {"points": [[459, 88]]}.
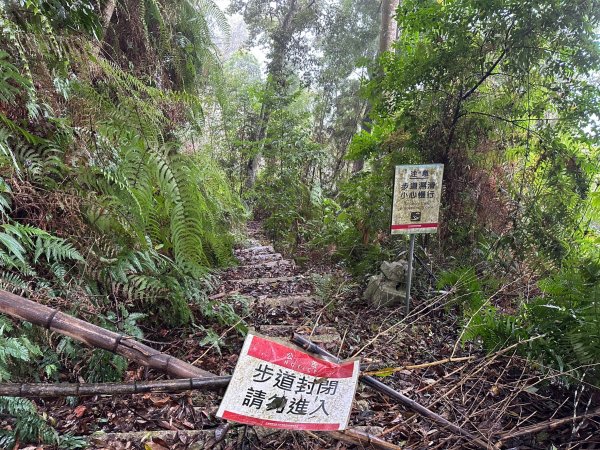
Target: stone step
{"points": [[257, 249], [321, 335], [291, 301], [254, 281], [260, 258], [269, 264], [262, 270]]}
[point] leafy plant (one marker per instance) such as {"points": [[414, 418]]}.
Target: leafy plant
{"points": [[29, 425]]}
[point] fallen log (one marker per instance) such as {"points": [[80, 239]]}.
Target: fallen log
{"points": [[136, 387], [96, 336], [310, 346]]}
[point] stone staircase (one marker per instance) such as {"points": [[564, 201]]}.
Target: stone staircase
{"points": [[280, 295]]}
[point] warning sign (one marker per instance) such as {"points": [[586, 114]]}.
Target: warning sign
{"points": [[417, 193], [277, 386]]}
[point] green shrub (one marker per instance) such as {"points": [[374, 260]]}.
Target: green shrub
{"points": [[560, 328]]}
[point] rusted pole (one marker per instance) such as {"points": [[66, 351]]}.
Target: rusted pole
{"points": [[310, 346]]}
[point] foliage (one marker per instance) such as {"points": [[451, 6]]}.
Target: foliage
{"points": [[104, 197], [14, 350], [29, 425], [32, 427], [153, 216], [287, 192], [501, 88], [559, 329]]}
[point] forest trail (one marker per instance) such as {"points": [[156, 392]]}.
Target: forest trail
{"points": [[419, 355], [282, 298]]}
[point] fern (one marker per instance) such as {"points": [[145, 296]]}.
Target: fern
{"points": [[29, 425], [14, 350]]}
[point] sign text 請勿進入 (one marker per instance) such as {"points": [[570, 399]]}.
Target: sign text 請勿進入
{"points": [[276, 385]]}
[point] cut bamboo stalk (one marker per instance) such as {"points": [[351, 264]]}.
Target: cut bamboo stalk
{"points": [[137, 387], [95, 336], [379, 386], [549, 424]]}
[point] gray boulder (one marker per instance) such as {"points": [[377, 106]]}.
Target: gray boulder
{"points": [[388, 295], [382, 292], [395, 270], [372, 286]]}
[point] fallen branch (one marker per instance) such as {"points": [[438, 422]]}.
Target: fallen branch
{"points": [[95, 336], [391, 370], [223, 294], [362, 438], [550, 424], [379, 386], [83, 389]]}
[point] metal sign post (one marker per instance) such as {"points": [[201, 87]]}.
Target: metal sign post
{"points": [[416, 206], [411, 252]]}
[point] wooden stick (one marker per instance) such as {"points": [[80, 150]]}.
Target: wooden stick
{"points": [[545, 425], [82, 389], [95, 336], [362, 438], [391, 370], [379, 386]]}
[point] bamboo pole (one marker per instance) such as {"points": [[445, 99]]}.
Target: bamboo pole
{"points": [[550, 424], [95, 336], [310, 346], [83, 389]]}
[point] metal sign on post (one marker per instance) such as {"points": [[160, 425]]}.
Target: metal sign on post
{"points": [[276, 385], [416, 206]]}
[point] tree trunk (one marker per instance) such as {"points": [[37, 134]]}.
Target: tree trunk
{"points": [[389, 27], [107, 13], [387, 36]]}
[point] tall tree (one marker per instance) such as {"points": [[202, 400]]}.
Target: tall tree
{"points": [[387, 35], [282, 26]]}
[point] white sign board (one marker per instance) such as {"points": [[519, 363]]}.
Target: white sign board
{"points": [[278, 386], [417, 194]]}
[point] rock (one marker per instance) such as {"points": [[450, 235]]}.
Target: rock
{"points": [[372, 286], [387, 294], [382, 292], [395, 270]]}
